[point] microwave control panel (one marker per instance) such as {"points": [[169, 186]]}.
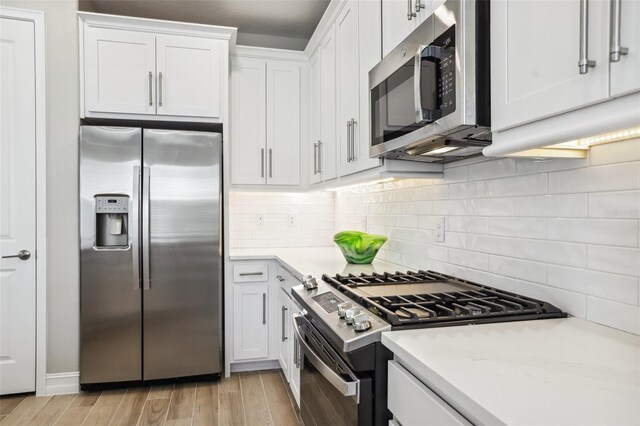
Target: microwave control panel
{"points": [[447, 71]]}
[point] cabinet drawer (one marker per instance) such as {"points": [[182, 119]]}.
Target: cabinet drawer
{"points": [[413, 403], [285, 279], [250, 272]]}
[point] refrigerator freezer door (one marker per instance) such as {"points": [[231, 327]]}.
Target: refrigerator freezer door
{"points": [[110, 306], [182, 296]]}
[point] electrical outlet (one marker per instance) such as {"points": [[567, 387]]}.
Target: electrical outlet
{"points": [[440, 230], [291, 220], [258, 219], [363, 223]]}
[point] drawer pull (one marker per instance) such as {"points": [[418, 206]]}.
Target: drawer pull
{"points": [[250, 274]]}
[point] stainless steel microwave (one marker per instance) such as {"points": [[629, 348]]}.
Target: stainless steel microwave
{"points": [[431, 95]]}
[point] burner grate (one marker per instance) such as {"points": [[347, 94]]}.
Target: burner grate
{"points": [[473, 303]]}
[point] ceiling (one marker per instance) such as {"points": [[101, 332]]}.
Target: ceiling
{"points": [[283, 24]]}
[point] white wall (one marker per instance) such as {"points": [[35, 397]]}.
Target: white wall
{"points": [[62, 179], [566, 231], [312, 212]]}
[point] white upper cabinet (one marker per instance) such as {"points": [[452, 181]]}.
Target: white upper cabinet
{"points": [[625, 70], [315, 175], [248, 121], [346, 30], [265, 121], [328, 141], [188, 76], [283, 123], [396, 24], [535, 51], [110, 85], [141, 69]]}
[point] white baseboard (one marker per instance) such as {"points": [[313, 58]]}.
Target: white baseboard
{"points": [[63, 383], [239, 367]]}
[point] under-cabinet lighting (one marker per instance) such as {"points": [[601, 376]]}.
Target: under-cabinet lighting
{"points": [[586, 143], [440, 150], [359, 185]]}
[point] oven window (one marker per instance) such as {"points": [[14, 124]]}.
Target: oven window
{"points": [[393, 110]]}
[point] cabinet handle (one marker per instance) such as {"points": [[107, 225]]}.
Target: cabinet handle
{"points": [[280, 278], [160, 90], [250, 274], [315, 158], [349, 141], [150, 88], [284, 315], [270, 163], [296, 357], [353, 139], [584, 63], [264, 308], [614, 39], [419, 5], [262, 162], [410, 13], [319, 156]]}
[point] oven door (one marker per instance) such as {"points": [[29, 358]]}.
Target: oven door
{"points": [[330, 393]]}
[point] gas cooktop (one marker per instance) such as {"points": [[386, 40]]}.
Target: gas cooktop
{"points": [[430, 299]]}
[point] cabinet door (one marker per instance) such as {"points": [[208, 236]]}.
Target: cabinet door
{"points": [[284, 354], [250, 321], [535, 51], [369, 54], [119, 74], [283, 123], [328, 114], [625, 74], [316, 120], [188, 76], [296, 355], [347, 84], [395, 23], [248, 120]]}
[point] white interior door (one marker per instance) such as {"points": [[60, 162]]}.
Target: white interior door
{"points": [[119, 71], [188, 76], [17, 206]]}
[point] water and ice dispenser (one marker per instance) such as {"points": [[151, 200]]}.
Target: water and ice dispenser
{"points": [[112, 221]]}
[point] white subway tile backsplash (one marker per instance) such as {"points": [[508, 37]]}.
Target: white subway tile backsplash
{"points": [[552, 252], [470, 224], [573, 303], [624, 204], [519, 185], [490, 244], [614, 259], [492, 169], [566, 205], [491, 206], [470, 189], [518, 227], [518, 268], [469, 259], [618, 232], [535, 165], [613, 314], [614, 177], [619, 288], [625, 151], [493, 280]]}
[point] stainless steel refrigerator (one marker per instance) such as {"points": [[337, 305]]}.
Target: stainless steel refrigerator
{"points": [[150, 254]]}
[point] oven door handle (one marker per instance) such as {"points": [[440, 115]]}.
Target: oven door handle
{"points": [[344, 387]]}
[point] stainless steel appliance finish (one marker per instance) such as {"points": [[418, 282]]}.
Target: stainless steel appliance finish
{"points": [[150, 309], [430, 96]]}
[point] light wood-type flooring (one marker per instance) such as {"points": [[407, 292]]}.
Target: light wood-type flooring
{"points": [[252, 399]]}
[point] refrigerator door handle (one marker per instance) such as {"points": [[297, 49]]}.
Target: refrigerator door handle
{"points": [[146, 278], [134, 226]]}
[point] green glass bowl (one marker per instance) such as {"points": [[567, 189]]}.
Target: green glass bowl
{"points": [[359, 247]]}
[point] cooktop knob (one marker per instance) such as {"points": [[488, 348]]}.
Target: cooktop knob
{"points": [[361, 322], [342, 308], [350, 314], [309, 282]]}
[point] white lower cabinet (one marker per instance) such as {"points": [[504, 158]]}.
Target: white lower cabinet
{"points": [[250, 321], [413, 403], [296, 355], [284, 353]]}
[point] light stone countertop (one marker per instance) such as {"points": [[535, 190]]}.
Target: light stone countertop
{"points": [[545, 372], [313, 261]]}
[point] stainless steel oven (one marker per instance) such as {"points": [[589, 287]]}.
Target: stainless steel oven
{"points": [[331, 393], [430, 96]]}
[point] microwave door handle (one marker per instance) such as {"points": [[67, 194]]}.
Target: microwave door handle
{"points": [[432, 53], [344, 387]]}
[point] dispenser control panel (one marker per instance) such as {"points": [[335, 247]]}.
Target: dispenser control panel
{"points": [[112, 204]]}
